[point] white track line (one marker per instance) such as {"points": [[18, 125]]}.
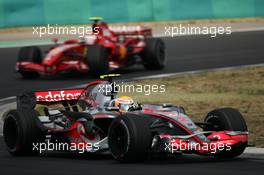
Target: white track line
{"points": [[250, 151], [197, 71], [165, 75], [30, 44], [2, 100]]}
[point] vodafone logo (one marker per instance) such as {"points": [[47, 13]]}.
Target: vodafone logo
{"points": [[53, 96]]}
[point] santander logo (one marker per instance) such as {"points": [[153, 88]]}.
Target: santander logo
{"points": [[53, 96]]}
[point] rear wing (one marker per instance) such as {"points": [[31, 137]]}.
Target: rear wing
{"points": [[131, 30], [28, 100]]}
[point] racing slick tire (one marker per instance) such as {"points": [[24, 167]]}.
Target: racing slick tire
{"points": [[20, 132], [227, 119], [153, 55], [97, 59], [129, 138], [29, 54]]}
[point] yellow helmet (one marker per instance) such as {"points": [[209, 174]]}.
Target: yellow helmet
{"points": [[124, 103]]}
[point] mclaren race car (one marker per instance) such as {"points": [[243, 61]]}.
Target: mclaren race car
{"points": [[96, 120], [104, 50]]}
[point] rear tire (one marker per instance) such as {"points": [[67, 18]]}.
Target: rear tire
{"points": [[97, 59], [20, 132], [29, 54], [227, 119], [129, 138], [153, 55]]}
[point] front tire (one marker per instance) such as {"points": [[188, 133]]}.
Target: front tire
{"points": [[227, 119], [153, 55], [97, 59], [129, 138], [20, 132], [29, 54]]}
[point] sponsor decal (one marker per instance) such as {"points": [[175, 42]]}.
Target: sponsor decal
{"points": [[53, 96]]}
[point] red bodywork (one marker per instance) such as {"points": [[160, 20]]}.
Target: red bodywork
{"points": [[70, 55]]}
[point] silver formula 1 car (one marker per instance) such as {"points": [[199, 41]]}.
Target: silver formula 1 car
{"points": [[100, 121]]}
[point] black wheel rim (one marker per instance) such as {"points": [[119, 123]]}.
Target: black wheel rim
{"points": [[215, 123], [118, 141]]}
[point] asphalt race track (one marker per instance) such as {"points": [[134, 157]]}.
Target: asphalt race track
{"points": [[184, 53], [69, 164]]}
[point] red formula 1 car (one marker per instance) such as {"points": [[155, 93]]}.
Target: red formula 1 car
{"points": [[106, 49], [94, 119]]}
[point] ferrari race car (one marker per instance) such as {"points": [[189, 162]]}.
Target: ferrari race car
{"points": [[104, 50], [95, 120]]}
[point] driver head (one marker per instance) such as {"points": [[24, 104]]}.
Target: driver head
{"points": [[124, 103]]}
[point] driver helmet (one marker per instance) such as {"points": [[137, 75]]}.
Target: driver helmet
{"points": [[124, 103]]}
